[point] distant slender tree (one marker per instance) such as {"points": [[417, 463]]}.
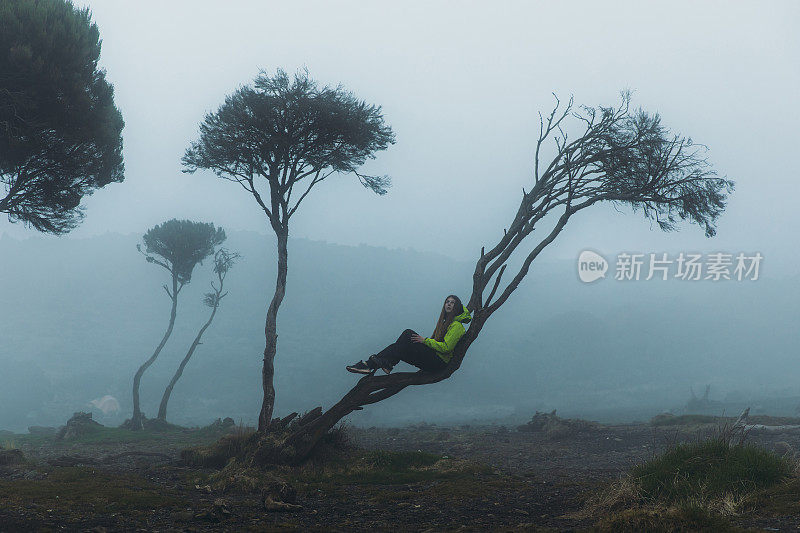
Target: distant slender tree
{"points": [[280, 134], [60, 132], [177, 246], [223, 261], [620, 157]]}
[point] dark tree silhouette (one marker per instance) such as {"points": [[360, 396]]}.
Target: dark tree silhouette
{"points": [[60, 132], [177, 246], [223, 261], [620, 157], [278, 139]]}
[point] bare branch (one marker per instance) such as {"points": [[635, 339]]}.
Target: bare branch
{"points": [[314, 181], [496, 283]]}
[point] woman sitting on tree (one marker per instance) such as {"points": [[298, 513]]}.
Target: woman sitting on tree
{"points": [[428, 354]]}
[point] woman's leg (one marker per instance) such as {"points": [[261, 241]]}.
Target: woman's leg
{"points": [[413, 353], [423, 357], [386, 358], [392, 354]]}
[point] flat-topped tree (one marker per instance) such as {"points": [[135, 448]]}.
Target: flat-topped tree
{"points": [[223, 261], [60, 132], [177, 246], [278, 139], [620, 157]]}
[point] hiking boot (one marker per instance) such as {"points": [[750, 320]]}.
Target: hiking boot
{"points": [[360, 368]]}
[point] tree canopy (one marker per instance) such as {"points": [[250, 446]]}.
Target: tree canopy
{"points": [[60, 132], [287, 131], [181, 245]]}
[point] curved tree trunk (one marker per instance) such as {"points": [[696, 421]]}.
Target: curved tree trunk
{"points": [[621, 156], [136, 419], [271, 334], [372, 389], [162, 409]]}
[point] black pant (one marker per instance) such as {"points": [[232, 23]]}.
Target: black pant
{"points": [[413, 353]]}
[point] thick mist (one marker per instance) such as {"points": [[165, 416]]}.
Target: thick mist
{"points": [[80, 315], [462, 85], [608, 187]]}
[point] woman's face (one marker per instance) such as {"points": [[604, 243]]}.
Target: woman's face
{"points": [[449, 304]]}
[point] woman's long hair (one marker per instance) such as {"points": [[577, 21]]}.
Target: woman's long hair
{"points": [[445, 318]]}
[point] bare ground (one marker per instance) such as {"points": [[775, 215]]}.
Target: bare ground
{"points": [[517, 480]]}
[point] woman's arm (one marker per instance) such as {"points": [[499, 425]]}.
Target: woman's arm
{"points": [[451, 338]]}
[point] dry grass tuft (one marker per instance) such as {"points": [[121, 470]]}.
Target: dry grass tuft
{"points": [[660, 520], [235, 445]]}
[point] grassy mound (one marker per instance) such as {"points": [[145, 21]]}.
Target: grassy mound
{"points": [[695, 486], [709, 470]]}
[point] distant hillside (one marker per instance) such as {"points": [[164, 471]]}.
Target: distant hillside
{"points": [[78, 316]]}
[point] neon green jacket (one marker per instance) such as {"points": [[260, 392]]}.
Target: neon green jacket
{"points": [[454, 332]]}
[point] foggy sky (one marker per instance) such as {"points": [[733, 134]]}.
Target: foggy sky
{"points": [[461, 84]]}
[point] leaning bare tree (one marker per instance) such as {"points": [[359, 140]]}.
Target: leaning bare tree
{"points": [[620, 156], [223, 261], [278, 140]]}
